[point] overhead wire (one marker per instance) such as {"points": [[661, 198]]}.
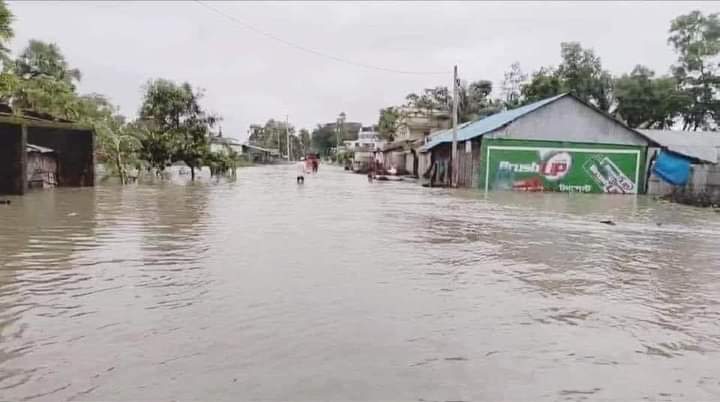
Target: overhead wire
{"points": [[313, 51]]}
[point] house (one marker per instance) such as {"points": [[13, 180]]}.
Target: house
{"points": [[416, 124], [220, 144], [556, 144], [698, 152], [42, 166], [258, 154], [367, 143], [34, 149], [413, 127]]}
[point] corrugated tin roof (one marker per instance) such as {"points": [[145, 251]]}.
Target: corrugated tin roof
{"points": [[480, 127], [38, 148], [701, 145], [270, 151]]}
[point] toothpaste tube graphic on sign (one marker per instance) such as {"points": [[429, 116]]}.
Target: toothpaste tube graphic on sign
{"points": [[608, 176]]}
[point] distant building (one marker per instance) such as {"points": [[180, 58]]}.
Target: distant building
{"points": [[368, 142], [413, 128], [258, 154], [415, 123], [220, 144]]}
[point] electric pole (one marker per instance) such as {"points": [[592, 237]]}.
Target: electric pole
{"points": [[287, 135], [455, 164]]}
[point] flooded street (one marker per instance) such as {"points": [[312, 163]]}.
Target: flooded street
{"points": [[345, 290]]}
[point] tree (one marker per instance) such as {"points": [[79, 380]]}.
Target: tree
{"points": [[512, 86], [644, 101], [388, 122], [6, 31], [116, 141], [323, 138], [544, 83], [304, 141], [272, 135], [178, 124], [696, 39], [582, 75], [41, 59], [42, 81], [475, 101]]}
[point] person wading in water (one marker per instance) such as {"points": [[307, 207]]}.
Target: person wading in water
{"points": [[300, 167]]}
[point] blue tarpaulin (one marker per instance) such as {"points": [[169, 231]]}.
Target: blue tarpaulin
{"points": [[672, 168]]}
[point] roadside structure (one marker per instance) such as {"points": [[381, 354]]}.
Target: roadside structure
{"points": [[701, 152], [260, 155], [220, 144], [556, 144], [413, 127], [365, 147], [44, 153]]}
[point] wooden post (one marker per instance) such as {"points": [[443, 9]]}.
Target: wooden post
{"points": [[454, 155]]}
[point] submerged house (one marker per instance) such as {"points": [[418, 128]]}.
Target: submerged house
{"points": [[556, 144], [686, 164], [36, 152], [42, 166]]}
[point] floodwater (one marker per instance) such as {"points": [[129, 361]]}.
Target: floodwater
{"points": [[343, 290]]}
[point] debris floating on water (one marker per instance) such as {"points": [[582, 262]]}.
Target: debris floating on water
{"points": [[608, 222]]}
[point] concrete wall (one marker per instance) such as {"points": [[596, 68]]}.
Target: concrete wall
{"points": [[74, 150], [569, 120], [12, 159]]}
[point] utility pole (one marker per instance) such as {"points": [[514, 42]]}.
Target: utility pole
{"points": [[287, 135], [455, 164]]}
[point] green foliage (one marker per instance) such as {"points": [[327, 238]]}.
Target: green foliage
{"points": [[544, 83], [178, 127], [305, 141], [647, 102], [582, 74], [696, 39], [512, 86], [323, 139], [220, 163], [6, 31], [41, 59], [273, 135], [388, 122], [475, 101]]}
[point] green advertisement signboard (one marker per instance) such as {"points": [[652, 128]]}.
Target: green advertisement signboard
{"points": [[533, 166]]}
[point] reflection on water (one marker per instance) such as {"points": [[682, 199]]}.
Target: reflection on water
{"points": [[340, 289]]}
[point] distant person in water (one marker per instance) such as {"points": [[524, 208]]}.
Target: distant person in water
{"points": [[315, 165], [301, 171]]}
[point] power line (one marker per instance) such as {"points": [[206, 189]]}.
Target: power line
{"points": [[313, 51]]}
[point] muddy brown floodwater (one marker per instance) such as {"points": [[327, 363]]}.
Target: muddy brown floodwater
{"points": [[344, 290]]}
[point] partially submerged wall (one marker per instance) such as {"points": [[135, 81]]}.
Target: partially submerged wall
{"points": [[12, 159], [74, 147], [703, 188], [74, 150]]}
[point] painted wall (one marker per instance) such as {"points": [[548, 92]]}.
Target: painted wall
{"points": [[561, 166], [569, 120]]}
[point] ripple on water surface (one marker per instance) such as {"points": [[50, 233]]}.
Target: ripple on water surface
{"points": [[341, 289]]}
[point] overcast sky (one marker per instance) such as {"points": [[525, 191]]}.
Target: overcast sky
{"points": [[249, 78]]}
